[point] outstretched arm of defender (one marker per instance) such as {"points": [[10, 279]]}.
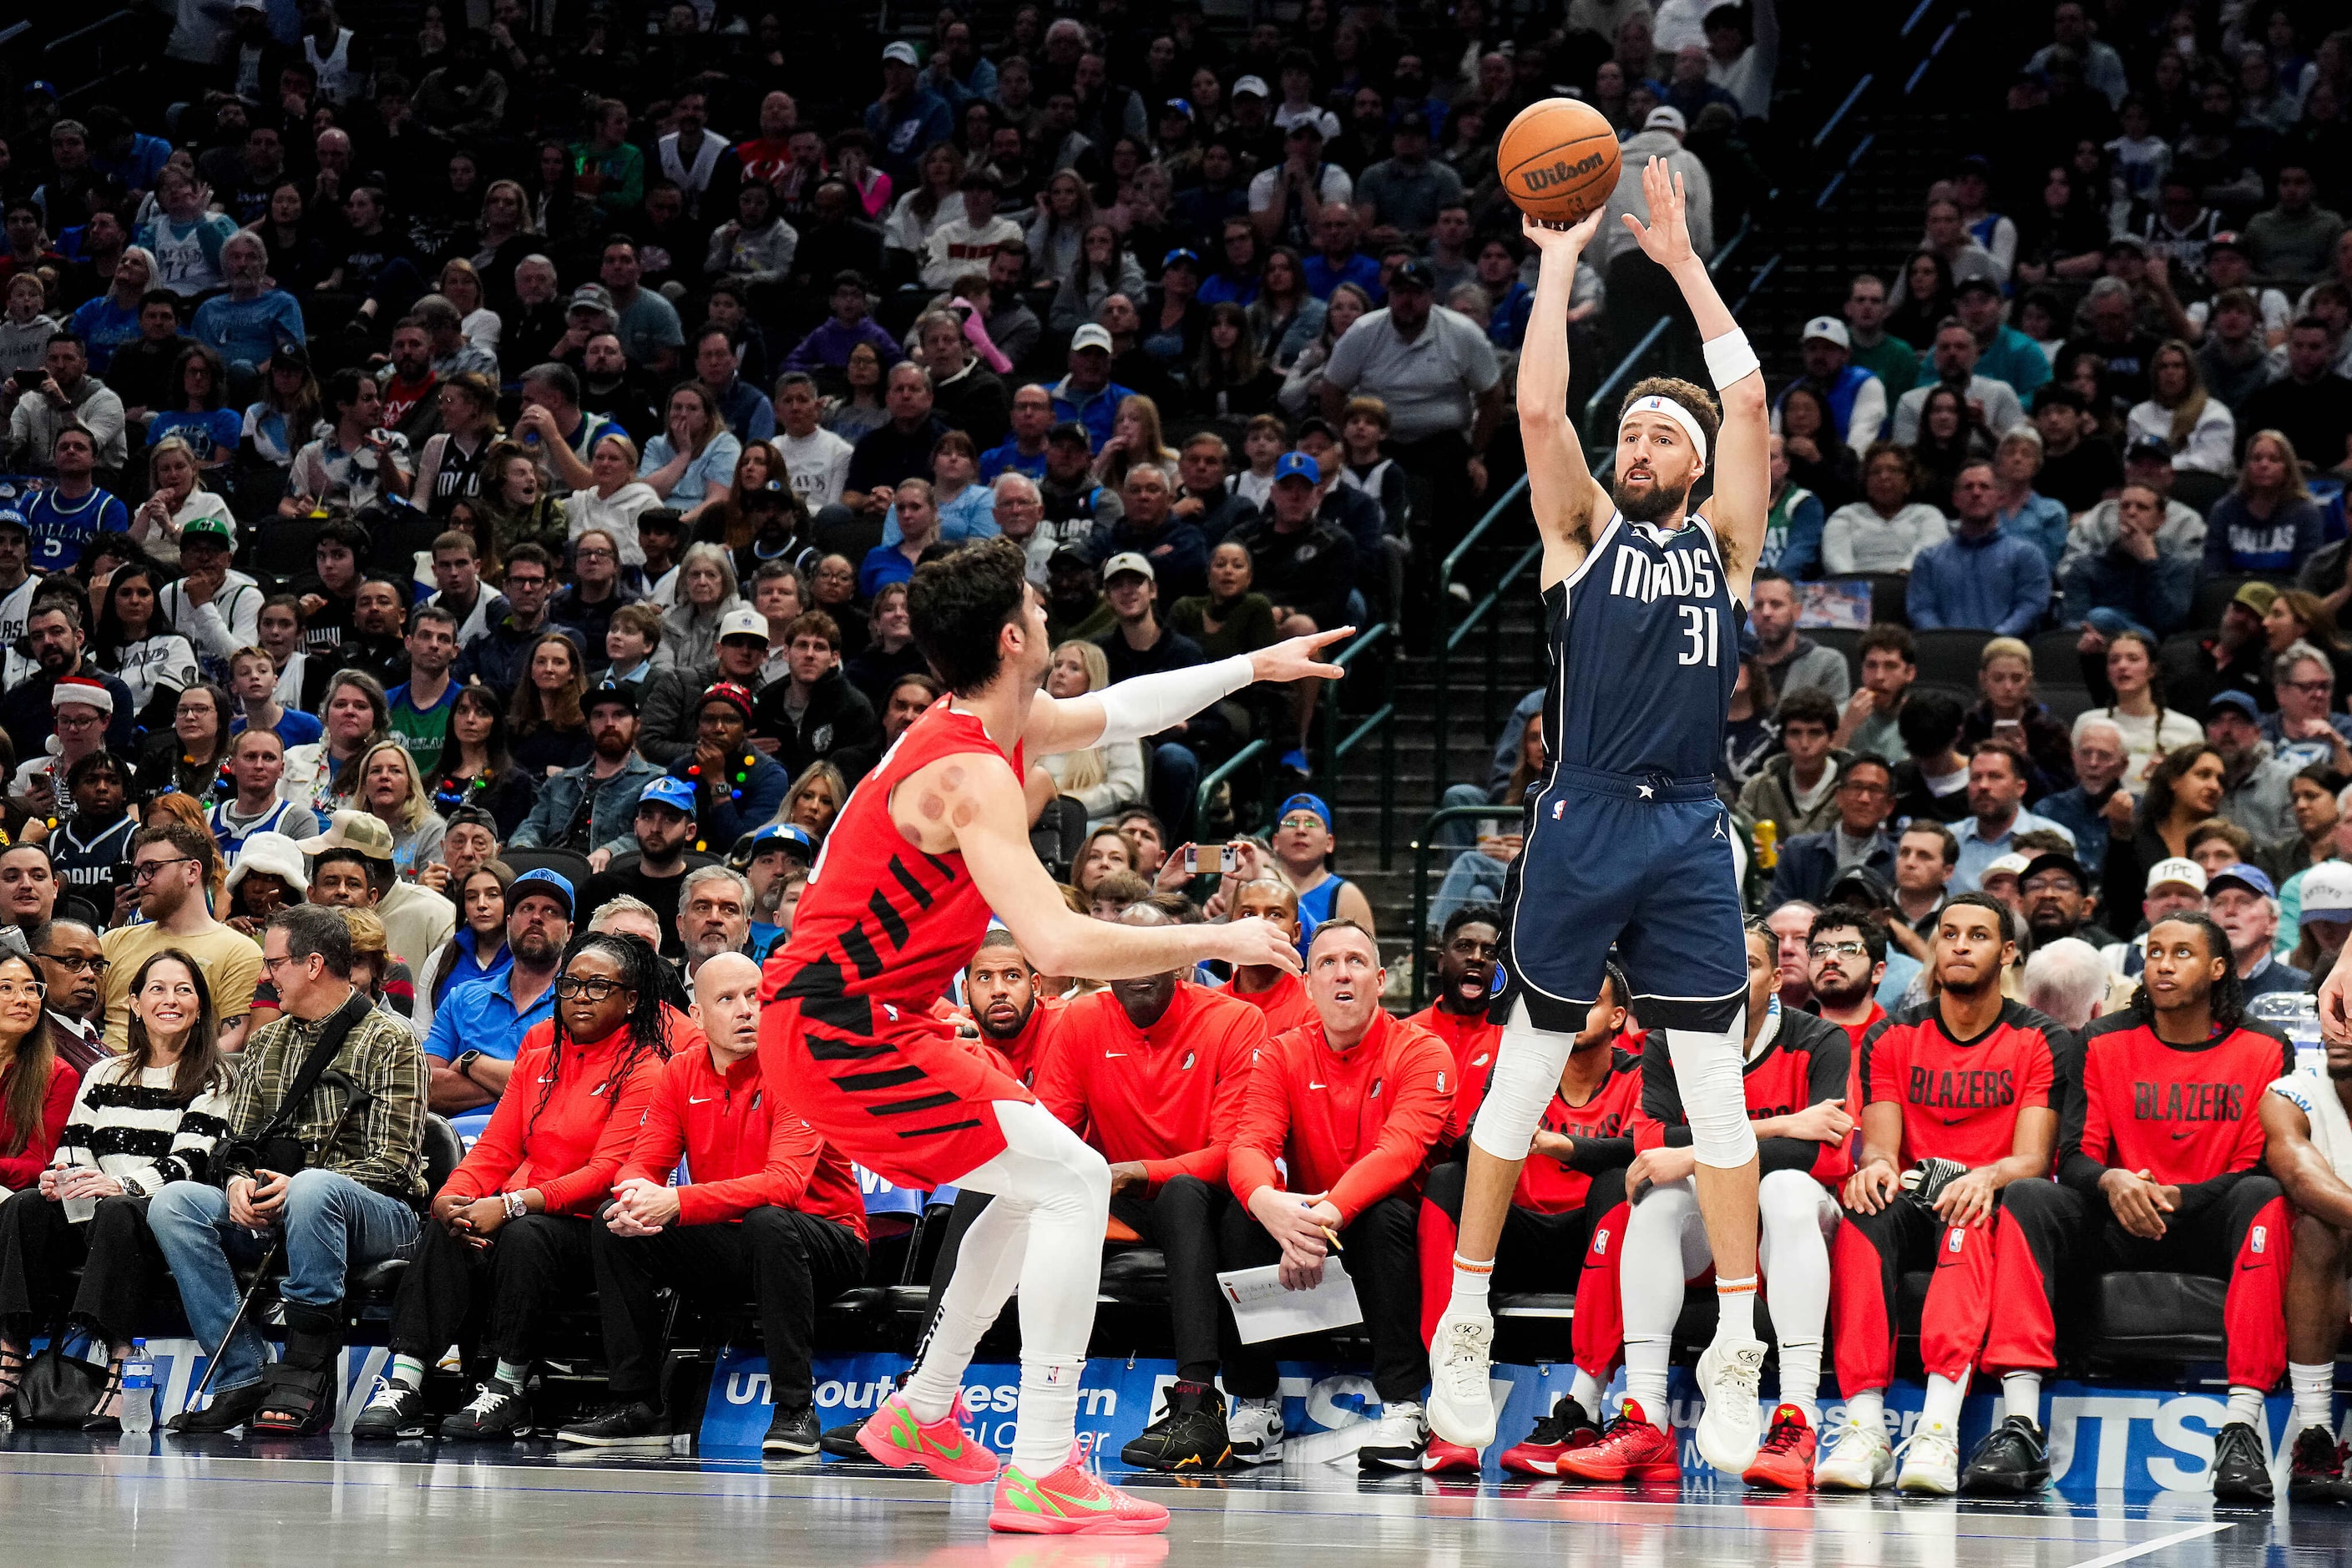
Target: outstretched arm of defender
{"points": [[1560, 488], [972, 803], [1149, 704], [1742, 458]]}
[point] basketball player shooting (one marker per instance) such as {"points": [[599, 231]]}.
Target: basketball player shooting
{"points": [[929, 844], [1626, 843]]}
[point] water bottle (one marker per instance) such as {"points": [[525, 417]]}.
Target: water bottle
{"points": [[137, 1389], [2294, 1015]]}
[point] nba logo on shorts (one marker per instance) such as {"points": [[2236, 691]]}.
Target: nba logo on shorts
{"points": [[2257, 1237], [1600, 1243], [1559, 807], [1958, 1235]]}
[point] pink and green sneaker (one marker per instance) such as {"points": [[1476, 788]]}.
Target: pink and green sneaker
{"points": [[893, 1436], [1073, 1500]]}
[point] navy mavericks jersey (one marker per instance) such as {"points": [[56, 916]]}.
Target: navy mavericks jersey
{"points": [[1644, 652]]}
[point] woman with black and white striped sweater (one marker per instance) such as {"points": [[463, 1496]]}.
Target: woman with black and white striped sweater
{"points": [[152, 1115]]}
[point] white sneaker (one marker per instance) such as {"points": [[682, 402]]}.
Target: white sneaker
{"points": [[1931, 1462], [1254, 1431], [1399, 1441], [1461, 1355], [1730, 1426], [1860, 1462]]}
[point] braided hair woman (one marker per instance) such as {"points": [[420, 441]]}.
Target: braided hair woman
{"points": [[513, 1220]]}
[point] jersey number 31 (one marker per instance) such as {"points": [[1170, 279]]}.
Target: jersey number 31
{"points": [[1701, 626]]}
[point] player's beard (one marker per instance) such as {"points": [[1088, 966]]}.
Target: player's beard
{"points": [[1656, 504], [1842, 997]]}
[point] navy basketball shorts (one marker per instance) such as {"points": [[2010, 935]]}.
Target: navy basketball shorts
{"points": [[1640, 864]]}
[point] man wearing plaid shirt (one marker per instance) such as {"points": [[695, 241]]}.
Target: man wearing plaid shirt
{"points": [[353, 1204]]}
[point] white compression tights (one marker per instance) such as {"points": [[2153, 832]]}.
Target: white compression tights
{"points": [[1527, 1064], [1043, 1234], [1665, 1245]]}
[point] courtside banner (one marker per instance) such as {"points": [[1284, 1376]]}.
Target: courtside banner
{"points": [[2102, 1437]]}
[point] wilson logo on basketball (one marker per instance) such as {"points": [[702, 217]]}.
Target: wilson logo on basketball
{"points": [[1560, 173]]}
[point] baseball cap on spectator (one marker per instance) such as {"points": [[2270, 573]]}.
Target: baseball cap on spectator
{"points": [[903, 52], [621, 693], [2148, 448], [726, 692], [791, 839], [1251, 87], [540, 882], [743, 622], [1127, 561], [2179, 871], [1071, 430], [361, 832], [1829, 329], [1860, 888], [215, 528], [2010, 865], [1412, 275], [81, 692], [1191, 259], [2054, 861], [1296, 466], [2251, 877], [1975, 286], [2327, 891], [470, 816], [1665, 117], [676, 793], [2256, 597], [11, 518], [1176, 106], [2238, 701], [591, 297], [1093, 335], [1305, 801], [775, 492], [2228, 239]]}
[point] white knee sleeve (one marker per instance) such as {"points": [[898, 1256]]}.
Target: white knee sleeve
{"points": [[1527, 1064], [1663, 1247], [1710, 1078]]}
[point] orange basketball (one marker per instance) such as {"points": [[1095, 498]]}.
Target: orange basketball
{"points": [[1557, 160]]}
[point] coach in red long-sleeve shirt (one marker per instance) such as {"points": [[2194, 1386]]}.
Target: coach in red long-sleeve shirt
{"points": [[1352, 1105], [772, 1210], [518, 1207]]}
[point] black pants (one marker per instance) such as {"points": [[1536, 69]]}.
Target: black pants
{"points": [[532, 1263], [790, 1261], [1379, 1251], [1181, 1221], [118, 1254], [1539, 1252]]}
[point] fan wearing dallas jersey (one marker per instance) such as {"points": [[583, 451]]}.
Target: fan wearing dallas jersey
{"points": [[1625, 842]]}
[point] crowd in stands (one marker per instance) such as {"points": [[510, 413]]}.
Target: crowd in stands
{"points": [[466, 489]]}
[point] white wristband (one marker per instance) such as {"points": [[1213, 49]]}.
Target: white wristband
{"points": [[1150, 703], [1729, 357]]}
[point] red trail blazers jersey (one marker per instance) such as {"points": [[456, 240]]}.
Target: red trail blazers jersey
{"points": [[2185, 1114], [1602, 1128], [1803, 1063], [1960, 1097]]}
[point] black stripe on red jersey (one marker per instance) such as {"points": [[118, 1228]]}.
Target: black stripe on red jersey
{"points": [[867, 1082], [906, 879], [817, 985], [825, 1048], [909, 1107], [894, 924], [912, 1133]]}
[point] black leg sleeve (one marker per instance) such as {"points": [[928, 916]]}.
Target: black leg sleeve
{"points": [[36, 1250], [1443, 1189], [124, 1263], [798, 1261], [538, 1261], [1381, 1254], [1243, 1243]]}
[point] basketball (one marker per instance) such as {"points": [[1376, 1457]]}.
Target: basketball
{"points": [[1557, 160]]}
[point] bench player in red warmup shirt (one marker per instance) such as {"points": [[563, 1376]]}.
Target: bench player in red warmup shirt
{"points": [[2159, 1167], [1278, 994], [1795, 1082], [1351, 1105], [927, 844], [1962, 1092], [1567, 1213], [1000, 991], [1467, 948]]}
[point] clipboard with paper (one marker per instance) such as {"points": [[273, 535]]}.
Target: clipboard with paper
{"points": [[1264, 1311]]}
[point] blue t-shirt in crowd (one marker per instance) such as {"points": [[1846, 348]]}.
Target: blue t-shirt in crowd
{"points": [[212, 434], [61, 529]]}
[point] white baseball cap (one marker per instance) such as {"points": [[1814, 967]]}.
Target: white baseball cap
{"points": [[1665, 117], [1831, 329], [1128, 561], [1091, 336], [2186, 872], [901, 51], [2328, 891], [2010, 865], [742, 623], [1250, 86]]}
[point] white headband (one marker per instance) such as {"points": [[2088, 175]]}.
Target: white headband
{"points": [[1654, 404]]}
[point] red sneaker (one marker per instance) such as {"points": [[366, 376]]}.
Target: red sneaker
{"points": [[1786, 1460], [1630, 1449], [1442, 1455], [893, 1436], [1073, 1500], [1567, 1428]]}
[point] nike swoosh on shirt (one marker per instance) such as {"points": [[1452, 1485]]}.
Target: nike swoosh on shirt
{"points": [[1312, 1084], [704, 1100], [1109, 1055]]}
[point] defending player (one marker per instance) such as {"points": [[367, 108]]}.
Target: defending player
{"points": [[2307, 1121], [1795, 1082], [1969, 1081], [1566, 1215], [1626, 842], [927, 844], [2160, 1168]]}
